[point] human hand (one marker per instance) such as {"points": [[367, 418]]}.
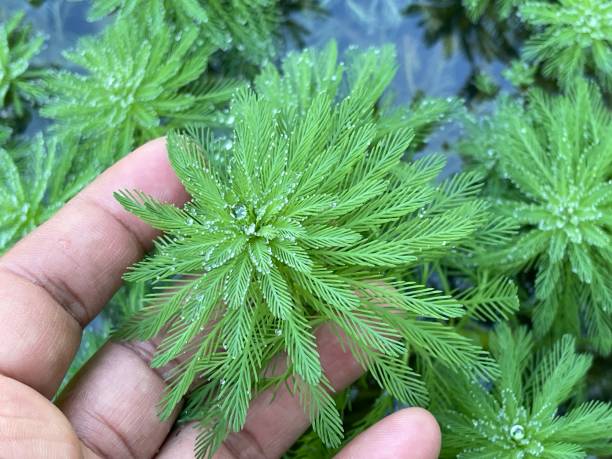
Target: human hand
{"points": [[57, 279]]}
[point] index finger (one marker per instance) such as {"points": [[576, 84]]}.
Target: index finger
{"points": [[58, 278]]}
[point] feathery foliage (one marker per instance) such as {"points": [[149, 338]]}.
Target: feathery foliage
{"points": [[554, 160], [520, 74], [34, 187], [524, 415], [503, 8], [140, 78], [18, 81], [571, 36], [307, 215], [247, 26]]}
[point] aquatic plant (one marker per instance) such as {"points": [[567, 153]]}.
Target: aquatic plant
{"points": [[525, 414], [5, 133], [307, 215], [449, 23], [19, 82], [32, 190], [490, 299], [553, 162], [485, 84], [520, 74], [570, 38], [248, 26], [138, 79], [503, 8]]}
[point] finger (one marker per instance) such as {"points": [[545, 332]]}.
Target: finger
{"points": [[412, 433], [59, 277], [112, 402], [273, 425], [31, 426]]}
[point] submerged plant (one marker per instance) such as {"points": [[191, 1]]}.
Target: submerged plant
{"points": [[248, 26], [525, 414], [307, 215], [5, 133], [18, 82], [520, 74], [503, 8], [139, 76], [554, 162], [570, 37], [35, 187]]}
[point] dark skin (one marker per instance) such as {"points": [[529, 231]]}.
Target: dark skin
{"points": [[57, 279]]}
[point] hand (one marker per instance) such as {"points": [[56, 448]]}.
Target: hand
{"points": [[55, 281]]}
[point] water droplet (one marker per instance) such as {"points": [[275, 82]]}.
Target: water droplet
{"points": [[239, 211], [517, 432], [278, 332]]}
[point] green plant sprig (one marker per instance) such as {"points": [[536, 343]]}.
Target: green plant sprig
{"points": [[570, 37], [247, 26], [19, 82], [142, 77], [34, 186], [524, 415], [306, 215], [553, 162]]}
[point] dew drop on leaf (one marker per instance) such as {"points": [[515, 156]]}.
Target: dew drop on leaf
{"points": [[517, 432], [239, 212]]}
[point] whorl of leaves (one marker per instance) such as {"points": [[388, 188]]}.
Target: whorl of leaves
{"points": [[138, 79], [554, 163], [570, 37], [248, 26], [306, 215], [525, 413], [18, 81]]}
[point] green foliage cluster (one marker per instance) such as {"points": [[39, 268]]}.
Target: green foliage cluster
{"points": [[138, 74], [525, 414], [248, 26], [571, 37], [34, 188], [520, 74], [310, 217], [19, 82], [503, 8], [553, 160]]}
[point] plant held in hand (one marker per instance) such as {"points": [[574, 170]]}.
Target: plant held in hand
{"points": [[307, 215]]}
